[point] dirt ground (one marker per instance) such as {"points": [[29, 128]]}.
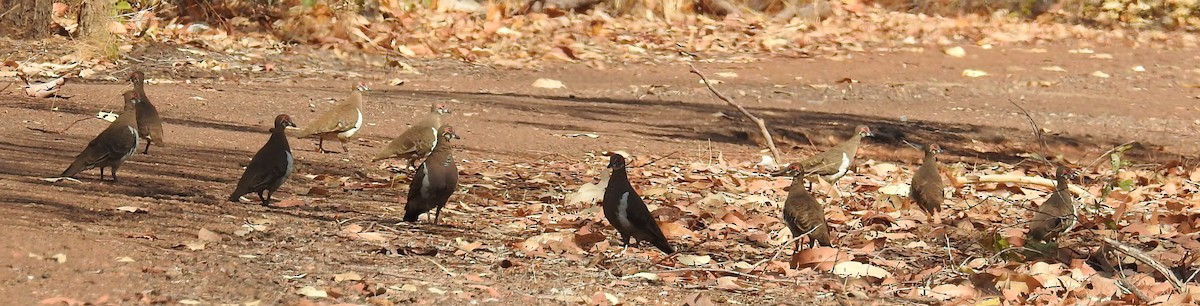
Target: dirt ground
{"points": [[214, 126]]}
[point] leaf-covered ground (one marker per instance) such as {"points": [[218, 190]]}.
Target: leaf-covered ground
{"points": [[524, 228]]}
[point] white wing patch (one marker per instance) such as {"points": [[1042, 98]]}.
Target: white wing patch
{"points": [[425, 180], [132, 131], [843, 167], [435, 141], [622, 211], [290, 167], [351, 131]]}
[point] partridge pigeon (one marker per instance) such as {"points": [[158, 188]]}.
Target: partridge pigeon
{"points": [[435, 181], [927, 188], [831, 165], [626, 211], [1057, 215], [418, 141], [270, 167], [43, 89], [113, 146], [149, 123], [340, 122], [803, 214]]}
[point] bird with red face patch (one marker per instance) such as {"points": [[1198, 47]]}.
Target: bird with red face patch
{"points": [[340, 122], [803, 214], [927, 189], [419, 140], [830, 165]]}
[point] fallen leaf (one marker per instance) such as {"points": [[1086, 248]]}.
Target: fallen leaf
{"points": [[955, 52], [1100, 74], [60, 258], [107, 116], [972, 73], [125, 259], [643, 275], [693, 260], [312, 292], [548, 84], [858, 269], [207, 235], [288, 203], [348, 276], [57, 179], [195, 246], [131, 209], [1054, 68]]}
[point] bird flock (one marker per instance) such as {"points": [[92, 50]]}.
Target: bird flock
{"points": [[435, 177]]}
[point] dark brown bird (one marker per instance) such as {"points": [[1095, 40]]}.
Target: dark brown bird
{"points": [[1057, 215], [113, 146], [626, 211], [831, 165], [148, 121], [803, 214], [435, 181], [270, 167], [341, 122], [418, 141], [927, 188]]}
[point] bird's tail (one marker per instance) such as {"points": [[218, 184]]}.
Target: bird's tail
{"points": [[74, 169], [411, 216], [237, 195], [661, 243]]}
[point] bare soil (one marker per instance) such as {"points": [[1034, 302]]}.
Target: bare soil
{"points": [[213, 126]]}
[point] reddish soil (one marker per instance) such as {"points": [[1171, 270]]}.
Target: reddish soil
{"points": [[502, 118]]}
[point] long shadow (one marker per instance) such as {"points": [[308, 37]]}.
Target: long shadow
{"points": [[792, 126]]}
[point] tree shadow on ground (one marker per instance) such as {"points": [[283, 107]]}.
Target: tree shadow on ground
{"points": [[794, 130]]}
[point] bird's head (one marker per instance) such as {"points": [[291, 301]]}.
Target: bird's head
{"points": [[136, 77], [616, 161], [361, 86], [130, 97], [934, 148], [1066, 172], [448, 133], [283, 121], [439, 108], [863, 131], [792, 169]]}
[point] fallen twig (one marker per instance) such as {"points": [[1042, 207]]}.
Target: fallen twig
{"points": [[439, 266], [762, 125], [1141, 256], [1036, 132], [1102, 156], [711, 270], [779, 250], [1008, 178], [64, 130], [657, 159]]}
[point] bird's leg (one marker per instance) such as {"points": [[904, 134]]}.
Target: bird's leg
{"points": [[625, 242], [112, 172], [262, 198], [321, 144], [437, 215], [147, 150], [267, 202], [101, 174], [344, 149]]}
